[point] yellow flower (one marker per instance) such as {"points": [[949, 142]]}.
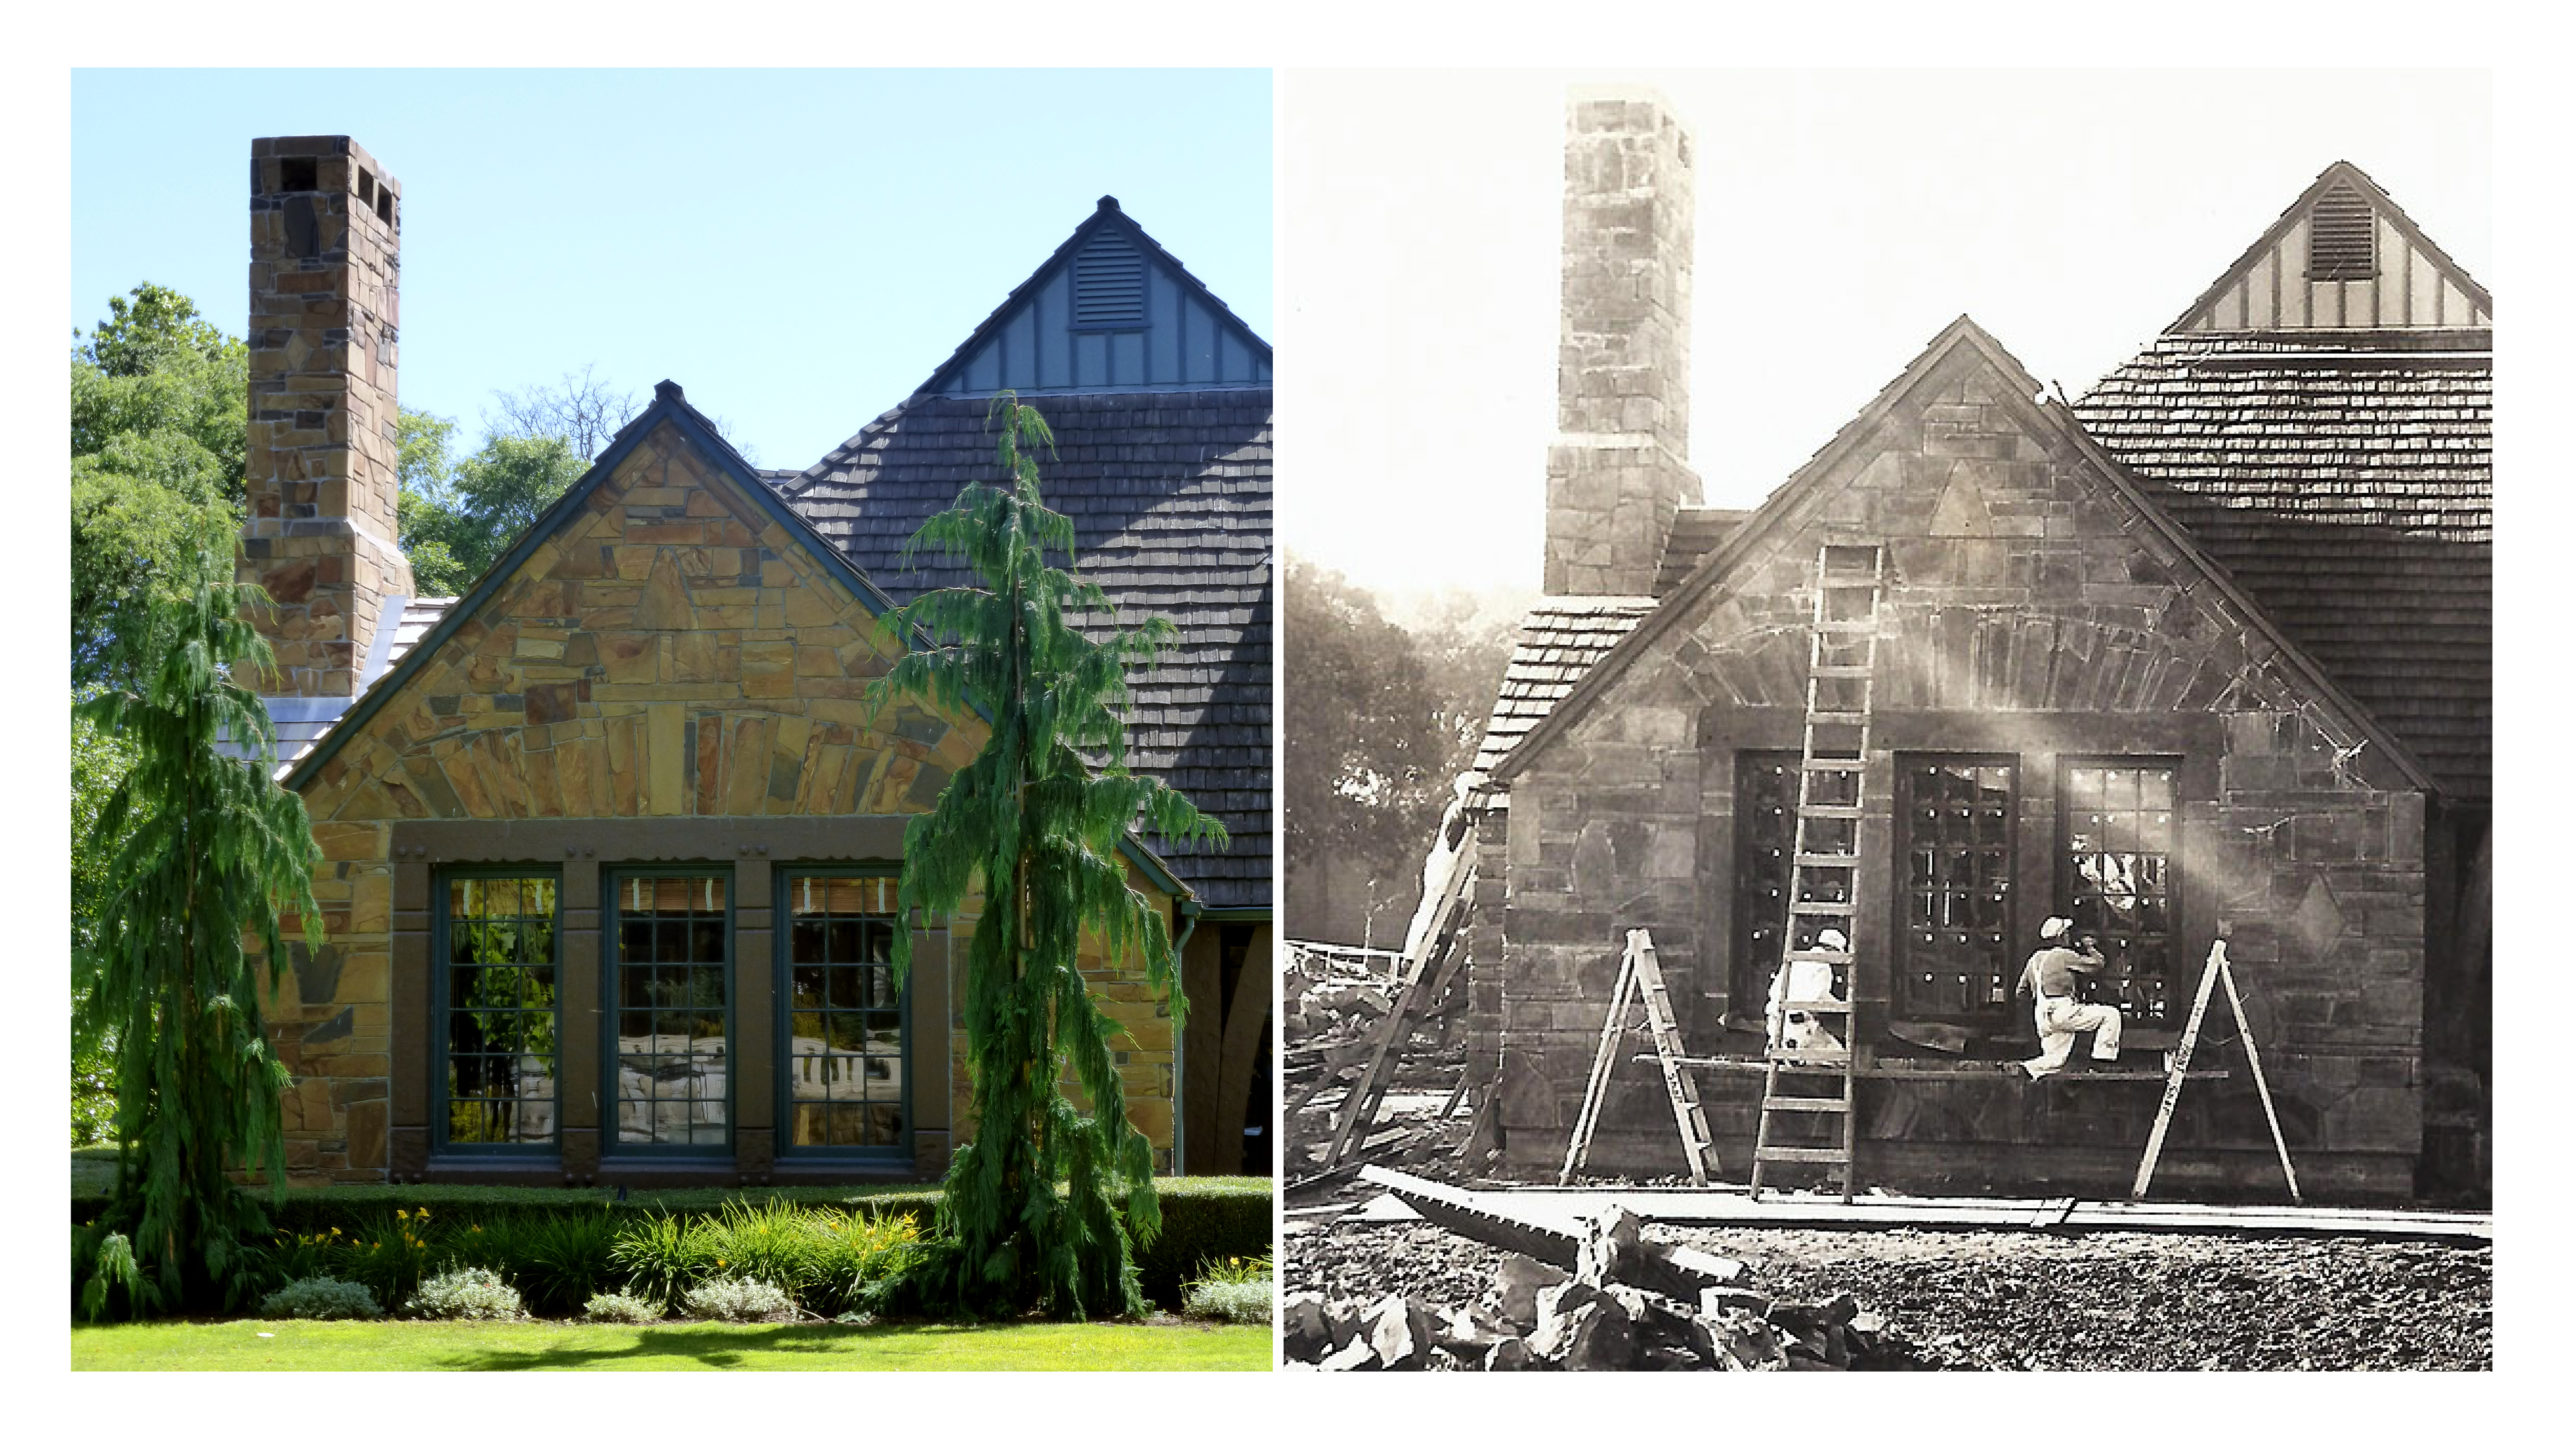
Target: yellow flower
{"points": [[404, 1213], [333, 1229], [724, 1263], [422, 1211]]}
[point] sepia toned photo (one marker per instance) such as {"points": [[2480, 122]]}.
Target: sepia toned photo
{"points": [[1887, 721]]}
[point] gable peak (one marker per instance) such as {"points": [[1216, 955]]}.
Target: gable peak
{"points": [[2342, 257]]}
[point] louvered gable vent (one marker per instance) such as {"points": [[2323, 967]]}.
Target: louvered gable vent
{"points": [[1110, 284], [2342, 239]]}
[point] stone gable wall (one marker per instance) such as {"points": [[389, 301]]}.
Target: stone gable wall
{"points": [[674, 660], [2029, 610]]}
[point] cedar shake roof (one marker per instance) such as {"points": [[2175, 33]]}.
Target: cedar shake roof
{"points": [[1562, 638], [1171, 496], [2343, 480]]}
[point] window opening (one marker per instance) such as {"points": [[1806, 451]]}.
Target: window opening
{"points": [[671, 1045], [500, 995]]}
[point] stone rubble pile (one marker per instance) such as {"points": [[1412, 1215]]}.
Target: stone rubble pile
{"points": [[1630, 1302]]}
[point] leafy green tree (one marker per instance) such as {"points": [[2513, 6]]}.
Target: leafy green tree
{"points": [[456, 520], [195, 847], [159, 425], [1030, 827], [99, 762]]}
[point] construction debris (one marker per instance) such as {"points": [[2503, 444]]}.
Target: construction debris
{"points": [[1629, 1300]]}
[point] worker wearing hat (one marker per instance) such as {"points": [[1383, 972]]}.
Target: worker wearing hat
{"points": [[2052, 976], [1794, 1030]]}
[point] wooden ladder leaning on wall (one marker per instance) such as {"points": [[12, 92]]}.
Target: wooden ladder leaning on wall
{"points": [[1839, 713]]}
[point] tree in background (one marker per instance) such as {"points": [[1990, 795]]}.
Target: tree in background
{"points": [[1032, 827], [1372, 748], [159, 442], [99, 763], [456, 519], [580, 412], [194, 847]]}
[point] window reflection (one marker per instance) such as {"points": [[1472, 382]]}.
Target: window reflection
{"points": [[501, 1038], [671, 968], [847, 1053]]}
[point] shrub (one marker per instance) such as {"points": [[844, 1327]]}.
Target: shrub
{"points": [[465, 1294], [1205, 1219], [1245, 1301], [389, 1255], [1234, 1289], [564, 1259], [857, 1256], [623, 1308], [665, 1254], [317, 1298], [739, 1301]]}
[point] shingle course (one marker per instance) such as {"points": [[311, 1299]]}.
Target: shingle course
{"points": [[1171, 495], [2349, 493]]}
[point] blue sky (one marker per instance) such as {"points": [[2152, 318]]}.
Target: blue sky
{"points": [[798, 248]]}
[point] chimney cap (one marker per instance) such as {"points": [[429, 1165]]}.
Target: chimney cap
{"points": [[671, 392], [1107, 203]]}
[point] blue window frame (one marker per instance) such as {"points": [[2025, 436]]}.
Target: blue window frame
{"points": [[670, 1064], [841, 1019], [496, 934]]}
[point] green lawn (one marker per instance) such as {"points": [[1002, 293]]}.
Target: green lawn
{"points": [[409, 1344]]}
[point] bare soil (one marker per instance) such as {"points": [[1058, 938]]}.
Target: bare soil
{"points": [[2036, 1301]]}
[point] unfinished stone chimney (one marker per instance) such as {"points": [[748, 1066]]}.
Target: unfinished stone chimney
{"points": [[1619, 465], [323, 528]]}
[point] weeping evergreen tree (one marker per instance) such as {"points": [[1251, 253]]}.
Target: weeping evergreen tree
{"points": [[1031, 829], [198, 848]]}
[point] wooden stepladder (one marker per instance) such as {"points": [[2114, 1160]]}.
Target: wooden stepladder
{"points": [[2217, 967], [1640, 973], [1839, 711]]}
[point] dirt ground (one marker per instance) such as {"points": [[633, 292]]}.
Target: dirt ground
{"points": [[2037, 1301]]}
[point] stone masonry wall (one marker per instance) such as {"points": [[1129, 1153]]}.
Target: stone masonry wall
{"points": [[1618, 467], [2029, 611], [671, 656], [323, 487]]}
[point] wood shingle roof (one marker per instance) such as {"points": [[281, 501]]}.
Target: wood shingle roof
{"points": [[2343, 479], [1171, 494]]}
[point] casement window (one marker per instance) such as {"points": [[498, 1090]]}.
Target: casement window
{"points": [[844, 1053], [2119, 829], [1958, 826], [1764, 803], [669, 1065], [496, 941]]}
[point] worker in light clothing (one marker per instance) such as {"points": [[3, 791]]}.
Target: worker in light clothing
{"points": [[1801, 979], [2052, 976]]}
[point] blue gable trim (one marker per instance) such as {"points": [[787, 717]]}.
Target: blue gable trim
{"points": [[1140, 322]]}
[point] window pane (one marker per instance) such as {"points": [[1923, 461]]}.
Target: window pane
{"points": [[846, 1057], [1952, 964], [1765, 805], [501, 1023], [671, 1034], [2121, 819]]}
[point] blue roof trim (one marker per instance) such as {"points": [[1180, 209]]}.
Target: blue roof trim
{"points": [[669, 408], [1106, 211]]}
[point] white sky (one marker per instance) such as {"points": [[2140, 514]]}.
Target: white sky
{"points": [[1843, 219]]}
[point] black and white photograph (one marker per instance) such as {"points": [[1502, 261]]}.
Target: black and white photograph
{"points": [[1886, 712]]}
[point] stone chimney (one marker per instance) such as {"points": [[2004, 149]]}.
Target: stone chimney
{"points": [[323, 528], [1619, 465]]}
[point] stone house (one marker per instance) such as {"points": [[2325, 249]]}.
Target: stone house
{"points": [[611, 840], [2203, 653]]}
